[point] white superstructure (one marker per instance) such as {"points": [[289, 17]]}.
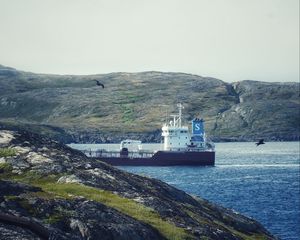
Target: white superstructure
{"points": [[176, 136], [131, 145]]}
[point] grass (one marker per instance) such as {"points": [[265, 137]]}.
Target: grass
{"points": [[124, 205], [52, 189], [128, 115], [58, 215], [5, 168], [242, 235], [7, 152]]}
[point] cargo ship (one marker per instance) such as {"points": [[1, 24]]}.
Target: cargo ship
{"points": [[180, 147]]}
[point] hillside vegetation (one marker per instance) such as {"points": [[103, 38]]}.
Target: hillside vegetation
{"points": [[75, 109]]}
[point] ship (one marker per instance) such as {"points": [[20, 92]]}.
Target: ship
{"points": [[180, 147]]}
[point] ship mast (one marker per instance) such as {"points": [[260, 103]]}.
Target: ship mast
{"points": [[177, 118], [180, 107]]}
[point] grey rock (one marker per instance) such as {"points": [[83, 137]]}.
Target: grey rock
{"points": [[81, 218]]}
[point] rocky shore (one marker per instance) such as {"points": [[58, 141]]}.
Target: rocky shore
{"points": [[50, 191]]}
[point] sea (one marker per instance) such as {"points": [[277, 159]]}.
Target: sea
{"points": [[261, 182]]}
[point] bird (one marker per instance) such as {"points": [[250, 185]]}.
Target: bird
{"points": [[261, 141], [99, 83]]}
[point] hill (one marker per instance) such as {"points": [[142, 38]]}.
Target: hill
{"points": [[73, 109]]}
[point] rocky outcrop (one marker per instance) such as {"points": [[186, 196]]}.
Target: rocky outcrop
{"points": [[75, 109], [68, 196]]}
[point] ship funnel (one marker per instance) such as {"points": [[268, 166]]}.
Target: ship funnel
{"points": [[198, 129]]}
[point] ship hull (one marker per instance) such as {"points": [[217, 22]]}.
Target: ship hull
{"points": [[165, 158]]}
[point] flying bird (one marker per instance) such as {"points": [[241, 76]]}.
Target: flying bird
{"points": [[261, 141], [99, 83]]}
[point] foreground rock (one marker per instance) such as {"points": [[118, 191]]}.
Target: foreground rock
{"points": [[64, 195]]}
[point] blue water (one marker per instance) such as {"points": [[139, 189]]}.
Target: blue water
{"points": [[259, 182]]}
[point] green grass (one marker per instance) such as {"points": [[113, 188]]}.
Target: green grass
{"points": [[7, 152], [52, 190], [5, 168], [124, 205], [58, 215], [128, 115]]}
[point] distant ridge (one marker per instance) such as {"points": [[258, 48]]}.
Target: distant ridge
{"points": [[72, 109]]}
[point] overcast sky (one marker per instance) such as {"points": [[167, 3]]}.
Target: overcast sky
{"points": [[228, 39]]}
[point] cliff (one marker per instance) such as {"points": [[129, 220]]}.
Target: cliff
{"points": [[50, 191], [74, 109]]}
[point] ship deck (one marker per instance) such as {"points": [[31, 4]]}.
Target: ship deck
{"points": [[102, 153]]}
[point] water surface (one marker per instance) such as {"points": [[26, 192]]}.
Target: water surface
{"points": [[259, 182]]}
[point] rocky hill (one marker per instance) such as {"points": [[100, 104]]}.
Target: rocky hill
{"points": [[75, 109], [50, 191]]}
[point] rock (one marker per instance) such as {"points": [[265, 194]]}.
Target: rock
{"points": [[83, 229], [69, 179], [6, 137], [35, 158], [95, 200]]}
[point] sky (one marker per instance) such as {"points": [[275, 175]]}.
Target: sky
{"points": [[231, 40]]}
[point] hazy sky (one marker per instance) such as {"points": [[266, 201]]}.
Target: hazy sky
{"points": [[228, 39]]}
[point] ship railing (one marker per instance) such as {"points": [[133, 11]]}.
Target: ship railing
{"points": [[114, 153]]}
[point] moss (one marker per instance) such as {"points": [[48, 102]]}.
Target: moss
{"points": [[11, 198], [243, 235], [126, 206], [35, 178], [7, 152], [197, 218], [5, 168], [129, 207], [54, 218], [58, 215], [42, 195]]}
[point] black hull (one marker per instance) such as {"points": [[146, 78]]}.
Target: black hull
{"points": [[165, 158]]}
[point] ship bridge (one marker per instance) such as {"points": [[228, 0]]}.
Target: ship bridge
{"points": [[176, 136]]}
